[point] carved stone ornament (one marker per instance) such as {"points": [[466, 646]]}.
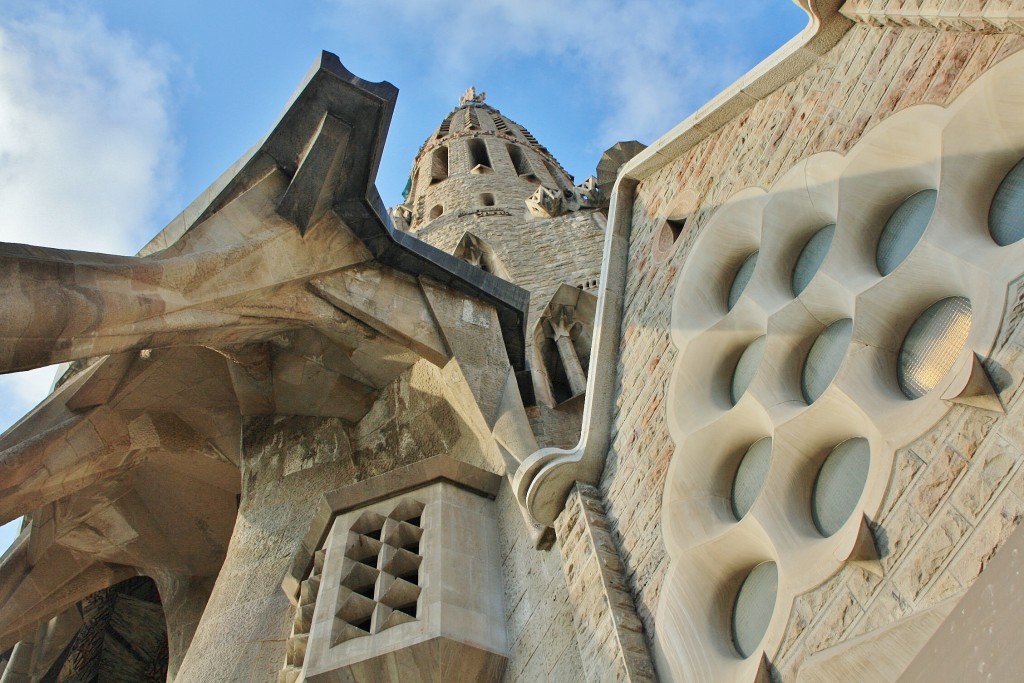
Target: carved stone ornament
{"points": [[401, 216], [548, 203], [471, 97], [545, 203]]}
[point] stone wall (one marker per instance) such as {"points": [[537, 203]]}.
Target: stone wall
{"points": [[956, 15], [539, 253], [608, 630], [463, 190], [541, 637], [871, 73]]}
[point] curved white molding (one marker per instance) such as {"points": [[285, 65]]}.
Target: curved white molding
{"points": [[543, 481], [963, 151]]}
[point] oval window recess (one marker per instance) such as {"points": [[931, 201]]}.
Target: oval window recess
{"points": [[903, 230], [742, 278], [755, 603], [1006, 216], [824, 358], [750, 476], [746, 368], [671, 230], [839, 484], [811, 257], [932, 345]]}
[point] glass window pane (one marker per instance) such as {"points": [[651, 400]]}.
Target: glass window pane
{"points": [[824, 358], [739, 283], [1006, 217], [903, 230], [755, 603], [750, 476], [746, 368], [810, 258], [839, 484], [932, 345]]}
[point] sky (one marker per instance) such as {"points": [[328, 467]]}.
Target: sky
{"points": [[115, 115]]}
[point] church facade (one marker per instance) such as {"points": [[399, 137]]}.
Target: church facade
{"points": [[744, 406]]}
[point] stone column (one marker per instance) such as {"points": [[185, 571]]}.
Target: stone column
{"points": [[560, 328], [19, 668], [287, 463], [184, 599]]}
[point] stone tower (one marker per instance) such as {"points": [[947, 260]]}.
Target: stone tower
{"points": [[484, 189]]}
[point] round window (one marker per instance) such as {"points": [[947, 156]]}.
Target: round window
{"points": [[932, 345], [1006, 217], [750, 476], [839, 484], [755, 603], [824, 358], [746, 368], [739, 282], [810, 258], [903, 230]]}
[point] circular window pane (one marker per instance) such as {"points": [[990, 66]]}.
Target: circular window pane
{"points": [[810, 258], [1006, 217], [746, 368], [739, 283], [839, 484], [824, 358], [904, 230], [932, 345], [755, 603], [750, 476]]}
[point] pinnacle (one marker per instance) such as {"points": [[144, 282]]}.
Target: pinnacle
{"points": [[470, 97]]}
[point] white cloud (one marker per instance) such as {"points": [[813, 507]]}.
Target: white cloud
{"points": [[648, 62], [86, 149], [86, 146]]}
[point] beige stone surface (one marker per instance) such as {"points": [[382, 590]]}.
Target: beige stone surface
{"points": [[870, 74], [608, 630], [265, 312], [456, 594]]}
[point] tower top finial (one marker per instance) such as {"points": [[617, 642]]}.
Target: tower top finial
{"points": [[471, 97]]}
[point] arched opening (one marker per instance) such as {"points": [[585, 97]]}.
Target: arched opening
{"points": [[436, 212], [519, 160], [487, 199], [116, 634], [475, 251], [479, 159], [557, 177], [439, 165]]}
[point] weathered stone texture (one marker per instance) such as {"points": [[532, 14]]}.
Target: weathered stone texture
{"points": [[538, 253], [990, 16], [539, 619], [607, 627], [954, 497], [955, 477]]}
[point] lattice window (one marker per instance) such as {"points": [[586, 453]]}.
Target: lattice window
{"points": [[299, 639], [380, 587]]}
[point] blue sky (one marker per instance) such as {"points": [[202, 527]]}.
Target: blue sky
{"points": [[115, 115]]}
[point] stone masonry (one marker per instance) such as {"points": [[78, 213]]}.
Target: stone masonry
{"points": [[284, 355], [607, 628], [870, 74]]}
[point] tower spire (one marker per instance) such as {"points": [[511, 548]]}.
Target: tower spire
{"points": [[478, 159], [470, 97]]}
